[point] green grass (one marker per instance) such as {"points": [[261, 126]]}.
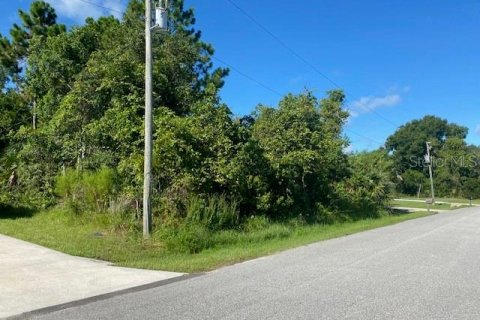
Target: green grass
{"points": [[422, 205], [92, 239]]}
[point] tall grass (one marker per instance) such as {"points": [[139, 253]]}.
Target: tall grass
{"points": [[197, 249], [215, 212], [86, 191]]}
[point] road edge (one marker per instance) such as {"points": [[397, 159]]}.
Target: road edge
{"points": [[105, 296]]}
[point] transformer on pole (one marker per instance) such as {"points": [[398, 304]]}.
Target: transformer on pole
{"points": [[161, 16]]}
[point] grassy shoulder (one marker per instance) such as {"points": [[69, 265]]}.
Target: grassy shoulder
{"points": [[93, 239], [447, 200], [423, 205]]}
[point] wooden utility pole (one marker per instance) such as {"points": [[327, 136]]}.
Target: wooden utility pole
{"points": [[147, 185]]}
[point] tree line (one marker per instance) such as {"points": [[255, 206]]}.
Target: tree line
{"points": [[456, 164], [71, 133]]}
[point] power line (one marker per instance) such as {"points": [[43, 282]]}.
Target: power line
{"points": [[283, 44], [364, 137], [100, 6], [281, 95], [298, 56], [248, 77]]}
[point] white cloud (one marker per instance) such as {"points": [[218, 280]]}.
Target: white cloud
{"points": [[370, 103], [477, 130], [80, 10], [397, 88], [348, 149]]}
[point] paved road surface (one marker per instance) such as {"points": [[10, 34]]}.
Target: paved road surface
{"points": [[427, 268]]}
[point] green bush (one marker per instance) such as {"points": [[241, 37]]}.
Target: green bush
{"points": [[368, 189], [99, 188], [411, 180], [87, 191], [256, 223], [120, 221], [471, 188], [190, 238], [324, 215], [302, 144], [215, 212]]}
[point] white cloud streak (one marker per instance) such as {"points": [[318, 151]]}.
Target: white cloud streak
{"points": [[78, 11], [370, 103], [477, 130]]}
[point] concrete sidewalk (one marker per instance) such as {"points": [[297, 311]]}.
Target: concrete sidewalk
{"points": [[34, 277]]}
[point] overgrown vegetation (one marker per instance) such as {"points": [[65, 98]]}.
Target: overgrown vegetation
{"points": [[96, 239], [72, 139], [456, 165]]}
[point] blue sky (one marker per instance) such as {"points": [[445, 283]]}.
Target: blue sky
{"points": [[397, 60]]}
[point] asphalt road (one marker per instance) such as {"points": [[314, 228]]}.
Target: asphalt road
{"points": [[427, 268]]}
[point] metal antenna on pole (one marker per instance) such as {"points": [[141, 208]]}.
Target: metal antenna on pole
{"points": [[147, 170], [429, 159]]}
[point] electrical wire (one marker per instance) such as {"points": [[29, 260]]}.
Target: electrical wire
{"points": [[364, 137], [247, 76], [281, 95], [305, 61], [100, 6]]}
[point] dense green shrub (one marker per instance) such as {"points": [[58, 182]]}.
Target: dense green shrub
{"points": [[303, 145], [325, 215], [214, 213], [190, 238], [255, 223], [87, 191], [368, 189], [410, 182], [471, 188]]}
